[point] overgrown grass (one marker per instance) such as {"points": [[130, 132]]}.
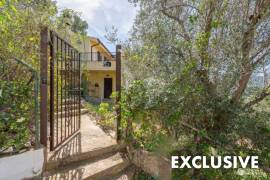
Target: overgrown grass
{"points": [[104, 113], [92, 107]]}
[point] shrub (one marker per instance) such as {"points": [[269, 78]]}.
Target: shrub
{"points": [[107, 115]]}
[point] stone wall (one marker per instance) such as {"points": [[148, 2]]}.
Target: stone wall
{"points": [[151, 163]]}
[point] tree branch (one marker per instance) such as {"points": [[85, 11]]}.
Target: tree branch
{"points": [[164, 9], [203, 51], [248, 38], [264, 47], [260, 59], [178, 5], [242, 83], [265, 93]]}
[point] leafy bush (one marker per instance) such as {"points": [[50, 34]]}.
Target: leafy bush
{"points": [[187, 77], [106, 114], [16, 119], [20, 23]]}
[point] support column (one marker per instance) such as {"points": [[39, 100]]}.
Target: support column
{"points": [[118, 90], [43, 85]]}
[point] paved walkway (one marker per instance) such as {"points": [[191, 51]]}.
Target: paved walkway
{"points": [[91, 153], [90, 137]]}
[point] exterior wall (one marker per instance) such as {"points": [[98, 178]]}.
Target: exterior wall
{"points": [[94, 69], [102, 52], [25, 165], [97, 77], [154, 164], [98, 65], [90, 59]]}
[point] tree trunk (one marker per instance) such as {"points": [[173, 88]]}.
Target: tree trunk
{"points": [[242, 84]]}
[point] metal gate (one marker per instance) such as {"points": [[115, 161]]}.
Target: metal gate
{"points": [[62, 62]]}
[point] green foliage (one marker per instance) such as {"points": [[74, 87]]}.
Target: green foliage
{"points": [[91, 107], [19, 26], [73, 19], [84, 84], [105, 112], [202, 40], [107, 115], [183, 68], [153, 139], [212, 174], [140, 175], [193, 19], [16, 105], [20, 23]]}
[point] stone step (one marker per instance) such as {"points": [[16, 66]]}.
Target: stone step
{"points": [[68, 106], [98, 169], [65, 113], [82, 156], [66, 110], [68, 100], [127, 174]]}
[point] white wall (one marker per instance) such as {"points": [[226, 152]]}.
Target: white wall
{"points": [[23, 165]]}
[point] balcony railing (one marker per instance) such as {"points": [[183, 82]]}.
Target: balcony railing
{"points": [[96, 56], [97, 61]]}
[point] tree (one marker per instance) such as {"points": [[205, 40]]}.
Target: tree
{"points": [[193, 60], [20, 24], [73, 26], [71, 18]]}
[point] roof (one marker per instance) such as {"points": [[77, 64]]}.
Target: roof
{"points": [[98, 41]]}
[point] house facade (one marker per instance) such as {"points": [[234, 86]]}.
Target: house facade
{"points": [[99, 70]]}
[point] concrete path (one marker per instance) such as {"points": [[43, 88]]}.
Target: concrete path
{"points": [[90, 137], [89, 154]]}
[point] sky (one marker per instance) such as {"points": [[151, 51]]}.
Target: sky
{"points": [[104, 13]]}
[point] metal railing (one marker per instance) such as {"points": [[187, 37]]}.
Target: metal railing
{"points": [[94, 61], [60, 70], [97, 56]]}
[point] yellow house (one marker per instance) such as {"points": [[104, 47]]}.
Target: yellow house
{"points": [[99, 70]]}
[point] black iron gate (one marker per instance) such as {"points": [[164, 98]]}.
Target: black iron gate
{"points": [[63, 70]]}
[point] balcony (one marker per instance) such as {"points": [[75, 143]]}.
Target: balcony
{"points": [[97, 61]]}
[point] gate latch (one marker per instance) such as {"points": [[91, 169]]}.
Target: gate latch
{"points": [[44, 81]]}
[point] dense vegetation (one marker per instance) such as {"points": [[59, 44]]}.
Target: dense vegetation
{"points": [[20, 24], [191, 77], [17, 115]]}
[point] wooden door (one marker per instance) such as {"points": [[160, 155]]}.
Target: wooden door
{"points": [[107, 87]]}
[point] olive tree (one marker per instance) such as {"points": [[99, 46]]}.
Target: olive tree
{"points": [[190, 72]]}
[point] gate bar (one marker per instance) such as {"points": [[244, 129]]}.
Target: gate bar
{"points": [[52, 59], [61, 77], [43, 85], [79, 81]]}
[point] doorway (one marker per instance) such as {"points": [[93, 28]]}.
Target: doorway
{"points": [[107, 87]]}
